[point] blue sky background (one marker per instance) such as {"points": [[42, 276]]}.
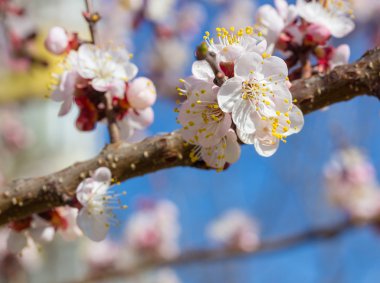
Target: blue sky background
{"points": [[284, 193]]}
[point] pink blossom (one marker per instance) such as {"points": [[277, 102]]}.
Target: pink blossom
{"points": [[57, 40], [141, 93]]}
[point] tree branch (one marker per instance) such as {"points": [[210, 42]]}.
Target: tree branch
{"points": [[207, 255], [27, 196]]}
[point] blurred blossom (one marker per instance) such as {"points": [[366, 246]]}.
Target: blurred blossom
{"points": [[235, 230], [190, 17], [335, 15], [352, 185], [153, 230], [366, 10], [239, 14], [102, 255], [14, 135], [159, 11], [164, 275]]}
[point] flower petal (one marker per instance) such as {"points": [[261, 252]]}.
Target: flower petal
{"points": [[242, 115], [202, 70], [93, 226], [247, 63], [229, 93]]}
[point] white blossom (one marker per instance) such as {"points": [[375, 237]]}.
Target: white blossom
{"points": [[336, 15], [96, 214], [235, 229], [260, 102]]}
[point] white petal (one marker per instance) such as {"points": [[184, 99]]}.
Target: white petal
{"points": [[275, 67], [202, 70], [131, 71], [248, 63], [246, 138], [242, 115], [266, 148], [93, 226], [229, 93], [297, 120], [102, 174], [16, 241]]}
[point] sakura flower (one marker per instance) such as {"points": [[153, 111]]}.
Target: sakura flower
{"points": [[330, 57], [231, 45], [57, 40], [335, 15], [159, 11], [260, 102], [101, 255], [154, 230], [352, 184], [107, 69], [96, 214], [275, 20], [235, 230], [66, 221], [141, 93]]}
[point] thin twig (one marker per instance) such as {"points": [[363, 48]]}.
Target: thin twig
{"points": [[91, 18], [219, 254], [113, 128]]}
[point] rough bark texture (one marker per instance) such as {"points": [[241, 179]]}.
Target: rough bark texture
{"points": [[26, 196]]}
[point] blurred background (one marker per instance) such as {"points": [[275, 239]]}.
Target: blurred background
{"points": [[285, 194]]}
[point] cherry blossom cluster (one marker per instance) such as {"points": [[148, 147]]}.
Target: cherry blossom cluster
{"points": [[304, 29], [235, 230], [101, 81], [352, 185], [243, 94]]}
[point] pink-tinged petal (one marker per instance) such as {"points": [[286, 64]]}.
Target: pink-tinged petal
{"points": [[247, 64], [102, 174], [266, 148], [141, 93], [242, 115], [341, 56], [229, 93], [202, 70], [141, 119], [16, 241], [85, 190], [93, 226], [275, 67], [232, 153], [65, 107]]}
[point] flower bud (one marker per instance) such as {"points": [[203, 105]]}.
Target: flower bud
{"points": [[57, 40], [141, 93]]}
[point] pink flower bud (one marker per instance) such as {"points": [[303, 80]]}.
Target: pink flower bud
{"points": [[141, 93], [317, 34], [57, 40]]}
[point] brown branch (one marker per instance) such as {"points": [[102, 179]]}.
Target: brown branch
{"points": [[207, 255], [113, 128], [27, 196]]}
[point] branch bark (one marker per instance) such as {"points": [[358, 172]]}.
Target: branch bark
{"points": [[24, 197], [207, 255]]}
